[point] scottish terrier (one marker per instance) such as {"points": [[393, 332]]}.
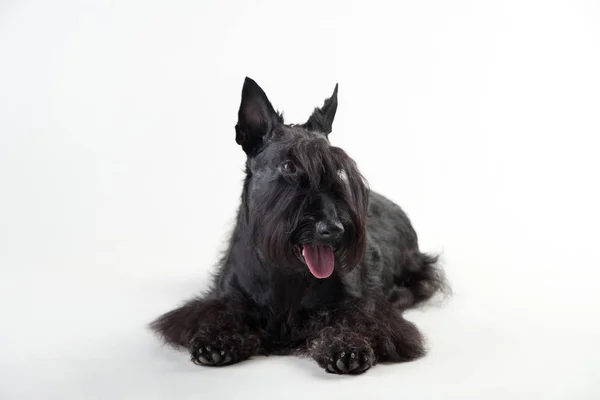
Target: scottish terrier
{"points": [[317, 264]]}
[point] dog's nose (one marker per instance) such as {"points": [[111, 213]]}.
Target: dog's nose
{"points": [[329, 230]]}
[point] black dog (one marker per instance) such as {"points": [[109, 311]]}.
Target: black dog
{"points": [[316, 264]]}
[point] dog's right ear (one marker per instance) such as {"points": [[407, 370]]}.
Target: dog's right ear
{"points": [[256, 118], [321, 119]]}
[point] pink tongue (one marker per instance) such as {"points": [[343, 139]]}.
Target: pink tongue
{"points": [[319, 260]]}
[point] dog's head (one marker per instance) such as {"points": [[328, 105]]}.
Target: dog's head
{"points": [[304, 200]]}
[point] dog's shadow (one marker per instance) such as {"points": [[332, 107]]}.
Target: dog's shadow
{"points": [[305, 365], [176, 361]]}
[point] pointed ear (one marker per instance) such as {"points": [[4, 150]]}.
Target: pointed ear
{"points": [[321, 119], [256, 118]]}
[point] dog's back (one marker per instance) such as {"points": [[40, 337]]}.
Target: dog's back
{"points": [[409, 276]]}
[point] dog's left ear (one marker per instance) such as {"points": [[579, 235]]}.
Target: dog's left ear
{"points": [[321, 119], [256, 118]]}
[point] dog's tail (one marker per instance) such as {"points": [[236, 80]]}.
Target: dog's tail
{"points": [[421, 278]]}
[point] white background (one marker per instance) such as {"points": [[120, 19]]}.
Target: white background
{"points": [[120, 176]]}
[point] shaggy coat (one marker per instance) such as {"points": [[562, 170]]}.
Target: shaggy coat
{"points": [[317, 264]]}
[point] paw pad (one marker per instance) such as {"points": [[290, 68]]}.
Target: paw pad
{"points": [[352, 361], [214, 354]]}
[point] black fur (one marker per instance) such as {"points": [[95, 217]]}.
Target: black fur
{"points": [[264, 299]]}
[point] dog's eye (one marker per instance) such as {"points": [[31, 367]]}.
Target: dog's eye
{"points": [[287, 167]]}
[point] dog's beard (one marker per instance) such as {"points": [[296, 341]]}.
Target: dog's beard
{"points": [[285, 238]]}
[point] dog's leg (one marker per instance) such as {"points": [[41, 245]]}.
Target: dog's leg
{"points": [[396, 339], [360, 337], [340, 349], [211, 329]]}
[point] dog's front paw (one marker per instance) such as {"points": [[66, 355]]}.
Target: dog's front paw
{"points": [[351, 361], [342, 351], [222, 350], [213, 354]]}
